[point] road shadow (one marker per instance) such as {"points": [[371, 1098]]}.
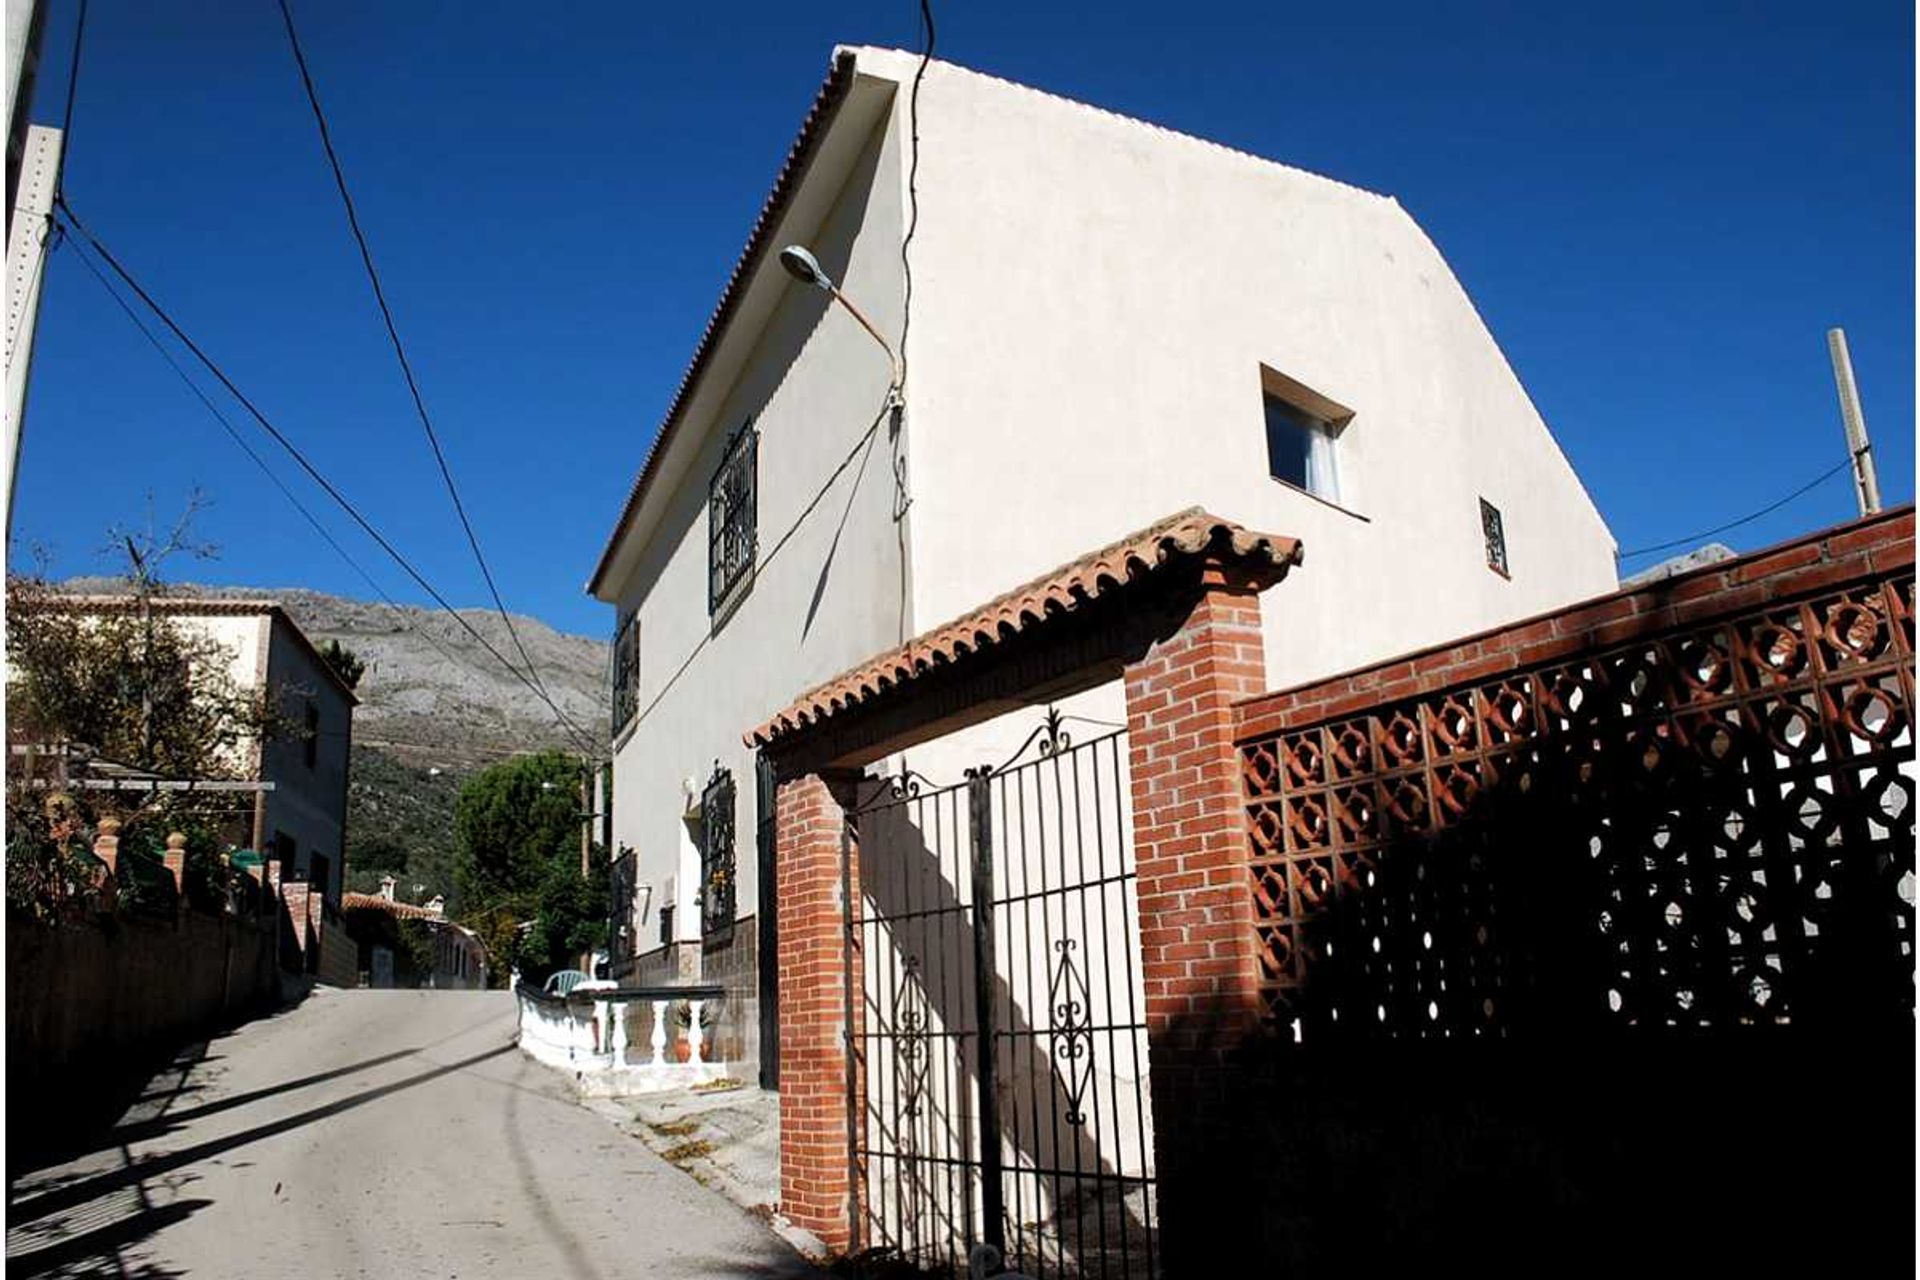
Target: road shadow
{"points": [[33, 1207]]}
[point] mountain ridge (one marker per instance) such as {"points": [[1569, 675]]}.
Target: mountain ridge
{"points": [[431, 694]]}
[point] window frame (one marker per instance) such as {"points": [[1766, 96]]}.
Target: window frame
{"points": [[733, 511], [1327, 424]]}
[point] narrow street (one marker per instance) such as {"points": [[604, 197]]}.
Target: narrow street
{"points": [[375, 1133]]}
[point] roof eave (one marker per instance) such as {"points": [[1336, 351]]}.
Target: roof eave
{"points": [[806, 146]]}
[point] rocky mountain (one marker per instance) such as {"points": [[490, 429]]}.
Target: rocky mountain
{"points": [[434, 708]]}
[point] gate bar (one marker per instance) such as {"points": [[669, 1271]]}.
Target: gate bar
{"points": [[849, 958], [980, 818]]}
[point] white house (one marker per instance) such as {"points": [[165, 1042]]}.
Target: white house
{"points": [[301, 822], [1110, 322]]}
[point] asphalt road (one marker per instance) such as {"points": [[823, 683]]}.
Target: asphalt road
{"points": [[375, 1133]]}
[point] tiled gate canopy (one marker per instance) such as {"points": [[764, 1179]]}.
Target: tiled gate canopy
{"points": [[1185, 542]]}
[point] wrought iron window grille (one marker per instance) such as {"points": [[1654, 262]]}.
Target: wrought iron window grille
{"points": [[626, 671], [733, 518], [624, 880], [717, 856], [1496, 536]]}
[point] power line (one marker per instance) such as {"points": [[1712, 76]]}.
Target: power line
{"points": [[73, 86], [106, 255], [400, 351], [913, 188], [233, 433], [1769, 509]]}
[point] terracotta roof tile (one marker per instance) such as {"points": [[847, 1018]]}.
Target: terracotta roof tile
{"points": [[1179, 539], [374, 902]]}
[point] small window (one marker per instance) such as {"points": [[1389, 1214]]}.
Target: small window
{"points": [[1303, 434], [666, 925], [313, 735], [1496, 537], [732, 516], [626, 670]]}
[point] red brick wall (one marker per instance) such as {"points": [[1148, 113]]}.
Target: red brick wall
{"points": [[1841, 554], [1196, 925], [813, 1102]]}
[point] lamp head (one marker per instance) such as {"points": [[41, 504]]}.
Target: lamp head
{"points": [[804, 267]]}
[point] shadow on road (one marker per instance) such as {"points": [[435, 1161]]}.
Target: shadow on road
{"points": [[34, 1207]]}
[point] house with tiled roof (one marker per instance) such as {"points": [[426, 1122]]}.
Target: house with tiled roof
{"points": [[1067, 328], [299, 821]]}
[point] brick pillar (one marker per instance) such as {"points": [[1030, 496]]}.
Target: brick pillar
{"points": [[1196, 910], [814, 1187], [176, 861], [106, 845]]}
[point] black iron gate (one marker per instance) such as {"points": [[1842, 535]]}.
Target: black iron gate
{"points": [[998, 1092]]}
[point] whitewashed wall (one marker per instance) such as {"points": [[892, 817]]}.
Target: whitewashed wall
{"points": [[1093, 300], [830, 588]]}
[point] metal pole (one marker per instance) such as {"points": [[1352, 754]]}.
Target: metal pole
{"points": [[980, 820], [1866, 481]]}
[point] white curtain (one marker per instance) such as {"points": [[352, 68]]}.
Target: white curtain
{"points": [[1323, 477]]}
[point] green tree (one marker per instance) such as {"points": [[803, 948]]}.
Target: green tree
{"points": [[570, 917], [121, 682], [511, 822], [516, 848], [346, 664]]}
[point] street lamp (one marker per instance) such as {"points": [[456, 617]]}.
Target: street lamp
{"points": [[804, 267]]}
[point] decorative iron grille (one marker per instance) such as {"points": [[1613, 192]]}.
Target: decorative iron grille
{"points": [[732, 517], [624, 881], [626, 671], [1496, 536], [1708, 828], [998, 1094], [716, 856]]}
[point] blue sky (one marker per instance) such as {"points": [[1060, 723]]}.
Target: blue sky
{"points": [[1659, 209]]}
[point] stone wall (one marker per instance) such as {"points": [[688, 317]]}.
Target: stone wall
{"points": [[91, 1005]]}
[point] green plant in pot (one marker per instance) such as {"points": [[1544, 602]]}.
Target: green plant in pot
{"points": [[683, 1021]]}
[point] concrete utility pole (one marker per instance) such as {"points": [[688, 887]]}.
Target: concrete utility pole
{"points": [[26, 27], [29, 236], [1866, 480]]}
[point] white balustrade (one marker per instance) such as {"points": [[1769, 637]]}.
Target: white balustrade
{"points": [[590, 1041], [659, 1033]]}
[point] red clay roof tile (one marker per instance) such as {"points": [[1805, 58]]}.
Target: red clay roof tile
{"points": [[1178, 539]]}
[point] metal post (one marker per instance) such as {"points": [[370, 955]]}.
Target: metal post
{"points": [[849, 953], [980, 819], [1866, 481]]}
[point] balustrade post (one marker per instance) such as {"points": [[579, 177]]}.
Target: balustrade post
{"points": [[694, 1037], [659, 1038], [619, 1045]]}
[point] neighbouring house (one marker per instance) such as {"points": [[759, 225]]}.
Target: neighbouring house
{"points": [[453, 959], [1110, 322], [299, 823]]}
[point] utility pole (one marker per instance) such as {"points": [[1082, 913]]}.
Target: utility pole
{"points": [[1866, 481], [29, 237]]}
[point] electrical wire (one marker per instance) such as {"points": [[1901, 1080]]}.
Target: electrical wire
{"points": [[1769, 509], [233, 433], [400, 353], [76, 224], [73, 87], [913, 188]]}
